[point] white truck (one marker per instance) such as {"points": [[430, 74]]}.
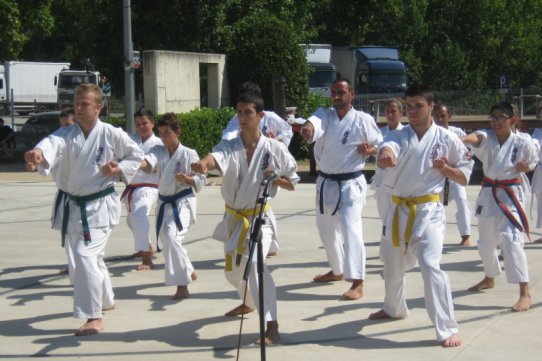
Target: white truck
{"points": [[33, 85]]}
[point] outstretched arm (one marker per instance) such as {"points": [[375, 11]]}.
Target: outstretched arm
{"points": [[205, 165]]}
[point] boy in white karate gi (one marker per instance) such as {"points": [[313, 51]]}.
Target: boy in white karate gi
{"points": [[452, 190], [244, 162], [141, 194], [343, 138], [88, 151], [177, 201], [499, 207], [419, 158]]}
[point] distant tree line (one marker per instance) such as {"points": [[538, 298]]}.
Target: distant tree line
{"points": [[451, 44]]}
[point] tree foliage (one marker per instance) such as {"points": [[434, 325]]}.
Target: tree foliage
{"points": [[452, 44]]}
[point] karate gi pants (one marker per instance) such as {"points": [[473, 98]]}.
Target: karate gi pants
{"points": [[499, 232], [341, 235], [458, 194], [427, 251], [143, 200], [91, 283], [177, 266], [235, 277]]}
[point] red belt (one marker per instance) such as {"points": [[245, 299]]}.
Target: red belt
{"points": [[505, 185], [130, 188]]}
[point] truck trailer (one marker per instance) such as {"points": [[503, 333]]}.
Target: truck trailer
{"points": [[33, 85]]}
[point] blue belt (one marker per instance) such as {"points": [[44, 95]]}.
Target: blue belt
{"points": [[337, 178], [172, 201], [82, 202]]}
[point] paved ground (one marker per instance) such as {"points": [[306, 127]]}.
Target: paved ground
{"points": [[36, 302]]}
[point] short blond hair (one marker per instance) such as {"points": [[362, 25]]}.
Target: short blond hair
{"points": [[90, 88]]}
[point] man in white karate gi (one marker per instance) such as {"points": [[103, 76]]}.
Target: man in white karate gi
{"points": [[141, 194], [244, 162], [420, 157], [89, 151], [501, 218], [343, 138], [452, 190]]}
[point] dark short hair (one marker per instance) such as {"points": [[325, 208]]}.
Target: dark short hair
{"points": [[145, 113], [251, 99], [343, 80], [250, 87], [171, 120], [67, 112], [423, 90], [504, 107]]}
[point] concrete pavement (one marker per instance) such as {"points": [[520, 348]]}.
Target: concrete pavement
{"points": [[36, 301]]}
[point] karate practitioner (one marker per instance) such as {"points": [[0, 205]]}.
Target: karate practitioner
{"points": [[343, 138], [501, 217], [393, 109], [452, 190], [141, 194], [419, 158], [87, 152], [66, 119], [177, 201], [244, 162]]}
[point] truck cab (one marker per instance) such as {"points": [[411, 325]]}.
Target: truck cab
{"points": [[68, 80]]}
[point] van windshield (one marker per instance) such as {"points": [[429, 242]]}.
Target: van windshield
{"points": [[72, 81]]}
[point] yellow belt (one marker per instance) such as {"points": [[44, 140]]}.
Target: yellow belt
{"points": [[244, 217], [410, 203]]}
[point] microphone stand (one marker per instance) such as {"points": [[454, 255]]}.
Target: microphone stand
{"points": [[256, 239]]}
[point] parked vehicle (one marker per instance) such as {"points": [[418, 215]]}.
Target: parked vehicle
{"points": [[36, 128], [68, 80], [34, 85], [323, 72]]}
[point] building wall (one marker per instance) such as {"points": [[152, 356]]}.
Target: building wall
{"points": [[171, 80]]}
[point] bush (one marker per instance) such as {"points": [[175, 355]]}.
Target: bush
{"points": [[201, 128]]}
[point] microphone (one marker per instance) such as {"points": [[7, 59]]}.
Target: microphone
{"points": [[272, 175]]}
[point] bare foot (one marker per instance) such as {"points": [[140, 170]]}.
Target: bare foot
{"points": [[111, 308], [465, 241], [271, 334], [452, 341], [239, 310], [271, 254], [484, 284], [146, 261], [355, 292], [379, 315], [523, 304], [91, 327], [64, 271], [194, 276], [328, 277], [181, 294]]}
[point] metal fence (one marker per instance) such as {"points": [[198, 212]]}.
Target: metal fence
{"points": [[464, 102]]}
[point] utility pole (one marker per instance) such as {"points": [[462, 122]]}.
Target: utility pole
{"points": [[129, 97]]}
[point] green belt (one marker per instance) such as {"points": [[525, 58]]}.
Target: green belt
{"points": [[82, 201]]}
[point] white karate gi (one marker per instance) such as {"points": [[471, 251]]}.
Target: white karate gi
{"points": [[240, 190], [499, 163], [143, 199], [458, 193], [83, 158], [335, 153], [177, 266], [414, 177], [536, 183], [270, 122], [383, 191]]}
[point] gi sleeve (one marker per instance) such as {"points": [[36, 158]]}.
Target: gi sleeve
{"points": [[232, 129], [129, 153]]}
